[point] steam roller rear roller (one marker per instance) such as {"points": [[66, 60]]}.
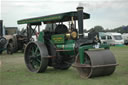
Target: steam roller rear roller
{"points": [[96, 63], [35, 57]]}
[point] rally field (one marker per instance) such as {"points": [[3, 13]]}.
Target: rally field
{"points": [[14, 72]]}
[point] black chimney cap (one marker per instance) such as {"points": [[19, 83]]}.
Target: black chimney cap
{"points": [[80, 8]]}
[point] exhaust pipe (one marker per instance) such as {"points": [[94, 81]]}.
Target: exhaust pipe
{"points": [[80, 21]]}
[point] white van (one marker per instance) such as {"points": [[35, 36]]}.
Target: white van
{"points": [[102, 37], [125, 37], [114, 38]]}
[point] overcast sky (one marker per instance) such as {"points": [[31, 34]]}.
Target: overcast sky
{"points": [[107, 13]]}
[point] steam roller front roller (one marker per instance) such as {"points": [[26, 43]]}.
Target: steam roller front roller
{"points": [[96, 63], [35, 57]]}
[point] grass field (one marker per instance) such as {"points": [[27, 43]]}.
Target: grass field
{"points": [[14, 72]]}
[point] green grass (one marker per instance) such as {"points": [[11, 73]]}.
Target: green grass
{"points": [[14, 72]]}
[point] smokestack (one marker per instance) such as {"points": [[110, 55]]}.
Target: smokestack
{"points": [[1, 27], [80, 21]]}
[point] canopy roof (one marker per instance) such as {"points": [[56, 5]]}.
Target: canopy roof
{"points": [[53, 18]]}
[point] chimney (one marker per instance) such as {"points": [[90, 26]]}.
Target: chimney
{"points": [[80, 21], [1, 27]]}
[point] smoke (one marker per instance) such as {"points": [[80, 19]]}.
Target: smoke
{"points": [[107, 4]]}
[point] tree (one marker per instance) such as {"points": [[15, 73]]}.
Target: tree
{"points": [[121, 29], [97, 29], [85, 30]]}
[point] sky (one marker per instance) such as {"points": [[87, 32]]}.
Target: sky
{"points": [[107, 13]]}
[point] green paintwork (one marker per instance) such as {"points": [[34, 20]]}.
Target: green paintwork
{"points": [[41, 19], [68, 45], [81, 54], [69, 41], [41, 38], [58, 39], [54, 18], [87, 47]]}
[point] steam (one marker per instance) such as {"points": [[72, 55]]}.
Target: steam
{"points": [[95, 5]]}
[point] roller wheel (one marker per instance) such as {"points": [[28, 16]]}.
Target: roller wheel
{"points": [[36, 57], [3, 42], [84, 72], [63, 61], [15, 43], [10, 48], [96, 63]]}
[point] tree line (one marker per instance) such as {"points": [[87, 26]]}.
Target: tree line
{"points": [[98, 28]]}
